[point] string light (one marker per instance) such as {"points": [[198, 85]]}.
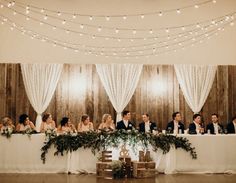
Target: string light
{"points": [[63, 22], [125, 29], [144, 38], [118, 16], [160, 13]]}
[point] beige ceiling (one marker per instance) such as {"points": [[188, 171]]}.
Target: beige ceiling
{"points": [[220, 49]]}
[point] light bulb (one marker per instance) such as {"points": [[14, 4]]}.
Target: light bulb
{"points": [[167, 30], [42, 10], [150, 31], [214, 1], [40, 23], [183, 28], [178, 11], [142, 16], [63, 22], [45, 17], [160, 14], [58, 13], [27, 18], [232, 23], [124, 17], [196, 6], [107, 18], [67, 31], [74, 16], [14, 13], [1, 5], [90, 18], [81, 26], [99, 29], [27, 11], [54, 28], [27, 7], [117, 30], [134, 31]]}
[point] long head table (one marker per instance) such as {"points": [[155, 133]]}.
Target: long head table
{"points": [[21, 154]]}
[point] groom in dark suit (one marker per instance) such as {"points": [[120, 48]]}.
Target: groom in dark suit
{"points": [[176, 124], [231, 127], [147, 125], [215, 127], [125, 123]]}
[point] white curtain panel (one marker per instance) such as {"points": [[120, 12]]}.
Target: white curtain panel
{"points": [[196, 82], [40, 82], [120, 82]]}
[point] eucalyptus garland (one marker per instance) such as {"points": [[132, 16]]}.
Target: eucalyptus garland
{"points": [[98, 141]]}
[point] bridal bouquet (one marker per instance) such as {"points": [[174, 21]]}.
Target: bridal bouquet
{"points": [[50, 133], [7, 131]]}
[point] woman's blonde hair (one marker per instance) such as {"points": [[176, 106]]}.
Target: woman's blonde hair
{"points": [[5, 120], [104, 117]]}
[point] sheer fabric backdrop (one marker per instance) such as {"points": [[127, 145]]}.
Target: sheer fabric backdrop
{"points": [[196, 82], [40, 82], [120, 82]]}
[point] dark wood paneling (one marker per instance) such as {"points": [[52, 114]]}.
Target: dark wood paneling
{"points": [[80, 90]]}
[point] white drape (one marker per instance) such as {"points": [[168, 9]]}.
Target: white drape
{"points": [[196, 82], [40, 82], [120, 82]]}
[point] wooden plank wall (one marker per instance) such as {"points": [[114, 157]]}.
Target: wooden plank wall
{"points": [[80, 91]]}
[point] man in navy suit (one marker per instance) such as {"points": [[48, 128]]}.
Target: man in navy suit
{"points": [[125, 123], [176, 124], [195, 127], [146, 125], [214, 126], [231, 127]]}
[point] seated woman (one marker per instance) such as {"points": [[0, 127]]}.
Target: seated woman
{"points": [[24, 124], [47, 123], [107, 123], [7, 124], [66, 126], [85, 124]]}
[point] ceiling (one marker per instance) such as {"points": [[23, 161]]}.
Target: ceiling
{"points": [[134, 33]]}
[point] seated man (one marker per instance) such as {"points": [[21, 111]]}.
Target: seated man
{"points": [[146, 125], [214, 126], [231, 127], [195, 127], [176, 124], [125, 122]]}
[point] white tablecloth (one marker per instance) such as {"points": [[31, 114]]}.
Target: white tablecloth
{"points": [[21, 154]]}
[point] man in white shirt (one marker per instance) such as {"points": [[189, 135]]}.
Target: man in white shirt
{"points": [[175, 126], [195, 127], [146, 125], [214, 126], [231, 127]]}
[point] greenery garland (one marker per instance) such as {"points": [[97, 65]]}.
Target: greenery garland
{"points": [[98, 141]]}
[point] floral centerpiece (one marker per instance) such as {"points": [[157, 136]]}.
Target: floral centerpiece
{"points": [[117, 169]]}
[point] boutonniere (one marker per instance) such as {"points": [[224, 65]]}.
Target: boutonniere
{"points": [[130, 125]]}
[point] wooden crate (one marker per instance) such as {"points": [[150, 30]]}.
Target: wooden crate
{"points": [[144, 169], [104, 169]]}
